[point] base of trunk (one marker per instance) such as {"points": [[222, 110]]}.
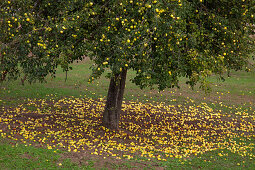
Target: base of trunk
{"points": [[110, 119]]}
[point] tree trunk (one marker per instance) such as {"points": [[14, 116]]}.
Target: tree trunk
{"points": [[2, 78], [112, 110], [23, 80]]}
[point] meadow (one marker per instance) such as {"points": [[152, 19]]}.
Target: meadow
{"points": [[57, 124]]}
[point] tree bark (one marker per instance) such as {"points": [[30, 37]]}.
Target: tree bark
{"points": [[111, 115]]}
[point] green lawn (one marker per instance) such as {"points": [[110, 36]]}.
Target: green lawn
{"points": [[22, 156]]}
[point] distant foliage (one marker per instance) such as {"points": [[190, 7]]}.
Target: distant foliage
{"points": [[161, 40]]}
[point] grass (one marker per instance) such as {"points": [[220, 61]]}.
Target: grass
{"points": [[30, 157], [15, 155], [212, 160], [228, 108]]}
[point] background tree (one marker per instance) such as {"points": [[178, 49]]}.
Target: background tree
{"points": [[161, 40]]}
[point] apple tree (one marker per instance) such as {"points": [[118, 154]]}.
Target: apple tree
{"points": [[161, 40]]}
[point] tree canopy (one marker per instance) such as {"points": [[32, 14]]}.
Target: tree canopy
{"points": [[161, 40]]}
